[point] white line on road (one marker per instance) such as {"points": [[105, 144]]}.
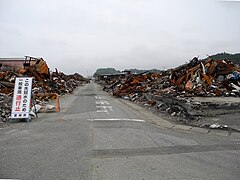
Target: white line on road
{"points": [[102, 102], [116, 119], [101, 111], [104, 107], [99, 97]]}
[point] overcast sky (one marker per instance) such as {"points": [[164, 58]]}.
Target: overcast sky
{"points": [[83, 35]]}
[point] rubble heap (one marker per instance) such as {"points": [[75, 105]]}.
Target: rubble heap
{"points": [[197, 78], [43, 82], [135, 84], [171, 90], [207, 78], [59, 83], [5, 104]]}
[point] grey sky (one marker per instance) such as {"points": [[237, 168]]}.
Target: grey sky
{"points": [[82, 35]]}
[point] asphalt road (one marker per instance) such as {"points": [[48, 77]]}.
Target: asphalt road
{"points": [[97, 136]]}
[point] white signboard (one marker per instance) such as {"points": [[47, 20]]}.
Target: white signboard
{"points": [[22, 97]]}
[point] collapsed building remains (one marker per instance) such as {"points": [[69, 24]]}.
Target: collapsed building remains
{"points": [[172, 90], [44, 82]]}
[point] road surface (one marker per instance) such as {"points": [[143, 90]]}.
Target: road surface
{"points": [[99, 137]]}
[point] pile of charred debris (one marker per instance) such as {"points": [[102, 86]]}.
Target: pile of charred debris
{"points": [[174, 90], [44, 83]]}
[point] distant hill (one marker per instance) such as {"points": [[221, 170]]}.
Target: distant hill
{"points": [[138, 71], [220, 56], [232, 57], [102, 71]]}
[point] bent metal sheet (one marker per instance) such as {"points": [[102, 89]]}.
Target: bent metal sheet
{"points": [[22, 97]]}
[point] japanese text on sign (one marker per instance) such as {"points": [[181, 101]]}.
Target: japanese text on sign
{"points": [[21, 98]]}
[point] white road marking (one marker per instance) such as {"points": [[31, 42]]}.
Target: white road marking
{"points": [[104, 107], [118, 119], [102, 102], [103, 110], [99, 97]]}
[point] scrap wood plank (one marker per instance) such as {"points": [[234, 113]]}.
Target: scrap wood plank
{"points": [[207, 79], [194, 68], [180, 80], [211, 68]]}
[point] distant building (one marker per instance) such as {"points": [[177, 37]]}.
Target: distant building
{"points": [[99, 77], [15, 64]]}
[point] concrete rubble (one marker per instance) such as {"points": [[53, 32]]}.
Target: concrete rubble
{"points": [[5, 104], [174, 91], [44, 83]]}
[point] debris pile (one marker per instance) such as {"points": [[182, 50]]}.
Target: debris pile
{"points": [[207, 78], [39, 70], [197, 78], [44, 82], [134, 85], [5, 104], [59, 83], [169, 90]]}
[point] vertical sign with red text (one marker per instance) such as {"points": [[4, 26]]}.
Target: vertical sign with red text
{"points": [[22, 97]]}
